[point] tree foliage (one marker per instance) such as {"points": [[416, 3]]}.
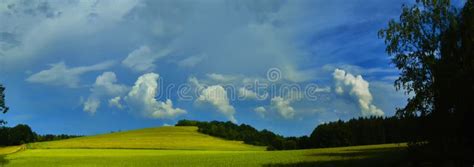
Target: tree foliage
{"points": [[3, 107], [21, 134], [17, 135], [432, 44], [414, 44], [52, 137], [365, 131], [248, 134]]}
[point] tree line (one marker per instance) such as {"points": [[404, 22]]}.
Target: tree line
{"points": [[361, 131], [365, 131], [21, 134], [247, 134]]}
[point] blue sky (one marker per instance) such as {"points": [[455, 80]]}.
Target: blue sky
{"points": [[88, 67]]}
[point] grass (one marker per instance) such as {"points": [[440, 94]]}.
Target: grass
{"points": [[11, 149], [184, 146], [374, 155], [169, 138]]}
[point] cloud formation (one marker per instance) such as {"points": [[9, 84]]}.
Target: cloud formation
{"points": [[216, 95], [283, 107], [251, 95], [116, 102], [235, 42], [191, 61], [142, 98], [221, 78], [292, 74], [105, 86], [142, 59], [38, 26], [91, 105], [61, 75], [359, 88], [261, 111]]}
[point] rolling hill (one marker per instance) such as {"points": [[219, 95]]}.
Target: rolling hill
{"points": [[165, 138], [184, 146]]}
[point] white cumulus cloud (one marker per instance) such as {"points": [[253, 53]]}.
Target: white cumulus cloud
{"points": [[283, 107], [115, 102], [105, 86], [359, 88], [260, 111], [91, 105], [142, 98], [216, 95]]}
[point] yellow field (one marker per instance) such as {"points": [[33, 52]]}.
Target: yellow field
{"points": [[374, 155], [184, 146], [169, 138], [11, 149]]}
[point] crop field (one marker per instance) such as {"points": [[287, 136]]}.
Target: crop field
{"points": [[184, 146], [165, 138], [10, 149]]}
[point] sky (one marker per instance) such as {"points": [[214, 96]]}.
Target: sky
{"points": [[90, 67]]}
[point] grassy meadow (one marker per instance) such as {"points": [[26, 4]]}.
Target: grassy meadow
{"points": [[184, 146], [165, 138], [10, 149]]}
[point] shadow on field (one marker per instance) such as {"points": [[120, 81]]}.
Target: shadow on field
{"points": [[3, 161], [395, 157]]}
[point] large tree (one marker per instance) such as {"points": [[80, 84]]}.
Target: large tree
{"points": [[432, 44]]}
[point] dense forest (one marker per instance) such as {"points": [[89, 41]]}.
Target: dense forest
{"points": [[248, 134], [21, 134], [364, 131], [361, 131]]}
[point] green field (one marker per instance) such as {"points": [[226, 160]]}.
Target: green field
{"points": [[164, 138], [184, 146]]}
